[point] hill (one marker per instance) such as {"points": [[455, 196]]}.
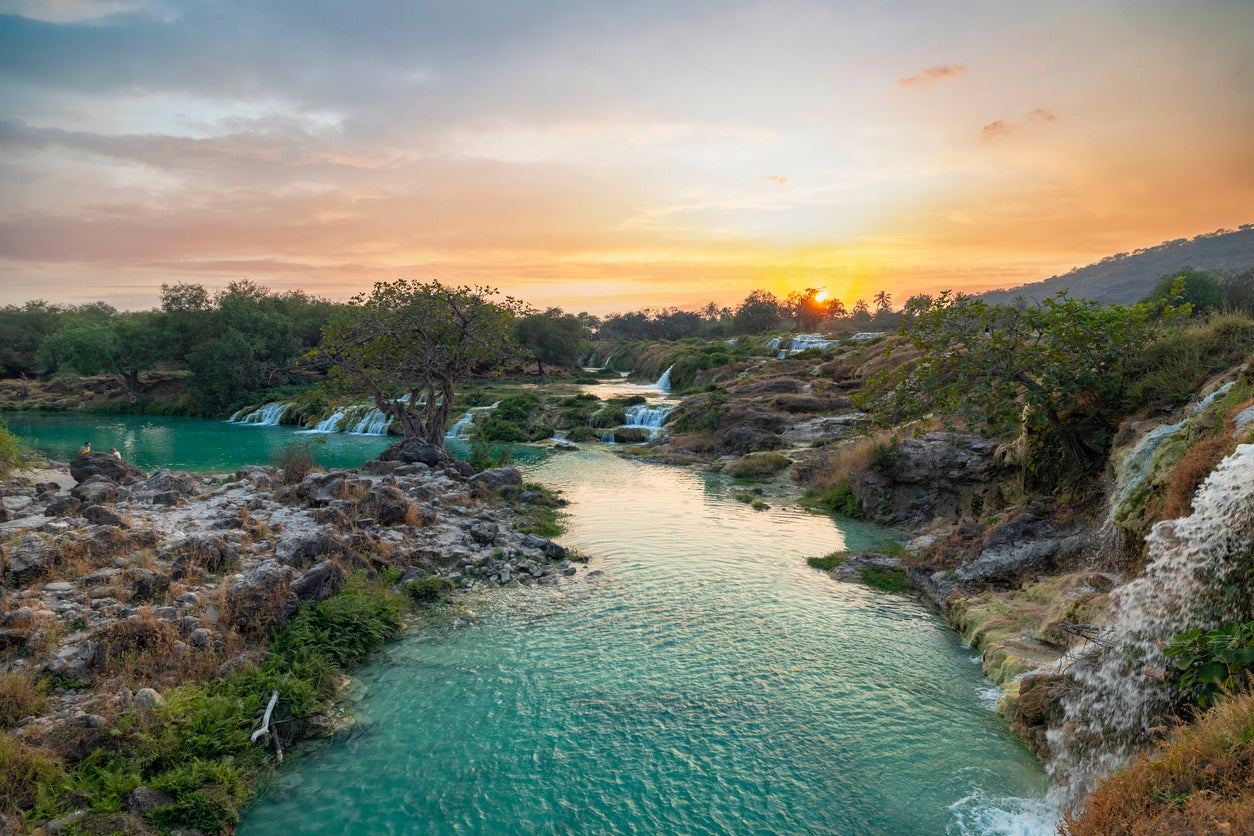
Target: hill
{"points": [[1125, 278]]}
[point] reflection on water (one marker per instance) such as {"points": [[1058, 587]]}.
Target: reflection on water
{"points": [[704, 681]]}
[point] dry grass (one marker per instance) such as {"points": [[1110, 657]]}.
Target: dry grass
{"points": [[1194, 466], [1201, 781], [21, 695], [23, 768]]}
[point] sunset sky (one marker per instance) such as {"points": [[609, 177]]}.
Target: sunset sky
{"points": [[605, 156]]}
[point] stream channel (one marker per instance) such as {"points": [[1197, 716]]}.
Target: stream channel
{"points": [[697, 678]]}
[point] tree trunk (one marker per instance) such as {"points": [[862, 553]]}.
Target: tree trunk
{"points": [[125, 378]]}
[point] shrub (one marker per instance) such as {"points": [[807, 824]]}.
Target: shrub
{"points": [[23, 771], [893, 579], [429, 590], [828, 562], [758, 466], [21, 695], [296, 460], [838, 499], [13, 454], [1210, 663]]}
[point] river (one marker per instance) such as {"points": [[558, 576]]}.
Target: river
{"points": [[700, 678]]}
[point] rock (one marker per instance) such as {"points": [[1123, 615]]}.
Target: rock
{"points": [[29, 558], [484, 533], [502, 480], [84, 466], [320, 582], [307, 549], [147, 698], [389, 506], [145, 584], [412, 450], [63, 507], [169, 499], [261, 601], [96, 490], [200, 552], [59, 825], [1037, 707], [143, 800], [166, 480], [100, 515], [460, 468]]}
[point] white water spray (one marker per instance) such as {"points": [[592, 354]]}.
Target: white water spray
{"points": [[1120, 702], [268, 415], [664, 382]]}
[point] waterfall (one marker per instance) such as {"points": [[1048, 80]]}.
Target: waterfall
{"points": [[664, 382], [330, 424], [801, 342], [461, 428], [268, 415], [373, 422], [1118, 700], [648, 417]]}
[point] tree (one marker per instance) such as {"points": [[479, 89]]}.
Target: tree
{"points": [[552, 337], [408, 345], [24, 329], [1057, 368], [883, 302], [806, 309], [759, 312], [124, 345], [1197, 288]]}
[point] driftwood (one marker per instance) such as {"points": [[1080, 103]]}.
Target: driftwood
{"points": [[268, 729]]}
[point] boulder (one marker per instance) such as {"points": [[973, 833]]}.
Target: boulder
{"points": [[412, 450], [389, 506], [164, 480], [200, 552], [320, 582], [483, 532], [29, 558], [63, 507], [97, 490], [84, 466], [101, 515], [145, 584], [307, 549], [142, 801], [260, 602], [503, 480]]}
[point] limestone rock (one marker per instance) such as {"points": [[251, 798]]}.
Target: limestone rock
{"points": [[412, 450], [496, 480], [107, 465], [100, 515], [96, 490], [320, 582]]}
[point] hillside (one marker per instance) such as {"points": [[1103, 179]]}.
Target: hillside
{"points": [[1125, 278]]}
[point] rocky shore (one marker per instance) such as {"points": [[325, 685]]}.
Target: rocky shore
{"points": [[118, 584]]}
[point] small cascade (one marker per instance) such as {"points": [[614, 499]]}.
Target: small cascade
{"points": [[265, 416], [330, 424], [648, 417], [1118, 700], [802, 342], [461, 427], [607, 437], [664, 382], [372, 422]]}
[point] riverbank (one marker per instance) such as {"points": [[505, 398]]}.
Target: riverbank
{"points": [[123, 587]]}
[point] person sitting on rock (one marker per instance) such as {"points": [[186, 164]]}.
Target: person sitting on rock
{"points": [[116, 453], [86, 448]]}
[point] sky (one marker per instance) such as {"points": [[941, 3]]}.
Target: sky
{"points": [[607, 156]]}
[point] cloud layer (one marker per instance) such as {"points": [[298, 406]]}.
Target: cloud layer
{"points": [[604, 156]]}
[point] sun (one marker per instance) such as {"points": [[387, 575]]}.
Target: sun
{"points": [[821, 296]]}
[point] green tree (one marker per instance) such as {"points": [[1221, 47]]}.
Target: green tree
{"points": [[1057, 368], [122, 345], [761, 311], [408, 345], [24, 329], [552, 337], [1197, 288]]}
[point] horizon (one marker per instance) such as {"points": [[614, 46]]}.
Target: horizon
{"points": [[607, 158]]}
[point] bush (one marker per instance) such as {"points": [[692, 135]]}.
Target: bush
{"points": [[296, 460], [24, 770], [827, 562], [758, 466], [429, 590], [13, 455], [1210, 663], [20, 696], [838, 499], [889, 580]]}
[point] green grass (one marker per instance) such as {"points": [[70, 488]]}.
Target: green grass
{"points": [[888, 580], [828, 562], [838, 499]]}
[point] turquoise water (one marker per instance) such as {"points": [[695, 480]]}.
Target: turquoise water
{"points": [[706, 682]]}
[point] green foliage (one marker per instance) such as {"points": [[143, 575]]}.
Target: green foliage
{"points": [[408, 346], [1058, 369], [1209, 663], [839, 499], [484, 455], [552, 337], [343, 628], [13, 453], [893, 579], [24, 770], [828, 562], [758, 466], [432, 589], [1172, 367], [760, 312], [1200, 291]]}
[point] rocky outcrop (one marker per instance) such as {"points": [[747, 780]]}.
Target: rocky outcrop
{"points": [[106, 465]]}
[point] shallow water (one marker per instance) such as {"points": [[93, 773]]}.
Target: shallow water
{"points": [[706, 682]]}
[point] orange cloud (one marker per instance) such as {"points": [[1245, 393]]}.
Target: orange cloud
{"points": [[934, 74], [995, 129]]}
